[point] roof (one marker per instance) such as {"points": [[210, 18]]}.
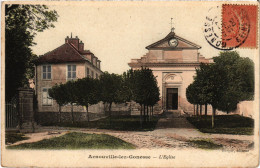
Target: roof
{"points": [[62, 54], [86, 52], [173, 35]]}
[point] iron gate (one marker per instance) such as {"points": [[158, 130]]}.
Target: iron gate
{"points": [[11, 114]]}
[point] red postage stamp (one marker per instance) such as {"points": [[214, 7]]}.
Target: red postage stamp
{"points": [[239, 26]]}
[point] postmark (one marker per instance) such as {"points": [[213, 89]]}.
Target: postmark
{"points": [[213, 28]]}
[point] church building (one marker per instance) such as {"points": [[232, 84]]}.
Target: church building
{"points": [[173, 61]]}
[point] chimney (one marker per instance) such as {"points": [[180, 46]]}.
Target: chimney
{"points": [[73, 41], [67, 39], [81, 46]]}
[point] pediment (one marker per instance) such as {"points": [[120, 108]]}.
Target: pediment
{"points": [[164, 43]]}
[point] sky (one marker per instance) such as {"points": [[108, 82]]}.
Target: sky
{"points": [[118, 32]]}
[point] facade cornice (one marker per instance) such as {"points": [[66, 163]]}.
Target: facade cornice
{"points": [[138, 65], [175, 49]]}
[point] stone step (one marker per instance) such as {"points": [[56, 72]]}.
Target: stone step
{"points": [[173, 113]]}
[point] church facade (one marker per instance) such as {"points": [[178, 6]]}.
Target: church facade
{"points": [[173, 61]]}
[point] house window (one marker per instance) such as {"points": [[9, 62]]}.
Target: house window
{"points": [[71, 72], [87, 72], [46, 72], [46, 100], [92, 74]]}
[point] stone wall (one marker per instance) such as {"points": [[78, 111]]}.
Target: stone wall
{"points": [[50, 118], [245, 108], [95, 112]]}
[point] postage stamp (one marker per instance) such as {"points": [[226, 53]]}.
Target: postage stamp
{"points": [[129, 84], [237, 26]]}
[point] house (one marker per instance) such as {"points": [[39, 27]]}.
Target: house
{"points": [[67, 62], [173, 61]]}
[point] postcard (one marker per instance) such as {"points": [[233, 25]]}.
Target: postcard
{"points": [[130, 84]]}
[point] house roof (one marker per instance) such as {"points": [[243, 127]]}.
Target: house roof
{"points": [[62, 54], [184, 42], [85, 52]]}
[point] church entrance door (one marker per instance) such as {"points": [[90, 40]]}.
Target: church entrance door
{"points": [[172, 99]]}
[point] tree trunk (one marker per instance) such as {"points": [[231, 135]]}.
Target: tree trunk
{"points": [[144, 115], [110, 104], [200, 110], [152, 110], [197, 111], [206, 109], [194, 109], [147, 113], [130, 107], [141, 113], [150, 113], [87, 112], [59, 113], [72, 115], [213, 117]]}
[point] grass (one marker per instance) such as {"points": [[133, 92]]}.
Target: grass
{"points": [[77, 140], [224, 124], [205, 144], [122, 123], [12, 137]]}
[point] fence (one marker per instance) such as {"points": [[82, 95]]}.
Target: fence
{"points": [[11, 115]]}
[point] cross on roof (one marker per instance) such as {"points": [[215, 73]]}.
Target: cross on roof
{"points": [[172, 28]]}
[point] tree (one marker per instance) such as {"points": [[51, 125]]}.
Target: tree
{"points": [[202, 83], [126, 93], [22, 22], [127, 85], [216, 85], [146, 91], [110, 88], [226, 82], [87, 92], [191, 95], [57, 92], [154, 96], [70, 95], [238, 73]]}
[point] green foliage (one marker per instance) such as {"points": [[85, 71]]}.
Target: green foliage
{"points": [[120, 123], [205, 144], [128, 86], [238, 79], [224, 124], [224, 83], [110, 88], [12, 137], [145, 89], [22, 22], [34, 18], [192, 92], [139, 85], [70, 92], [76, 140], [58, 92], [87, 91]]}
